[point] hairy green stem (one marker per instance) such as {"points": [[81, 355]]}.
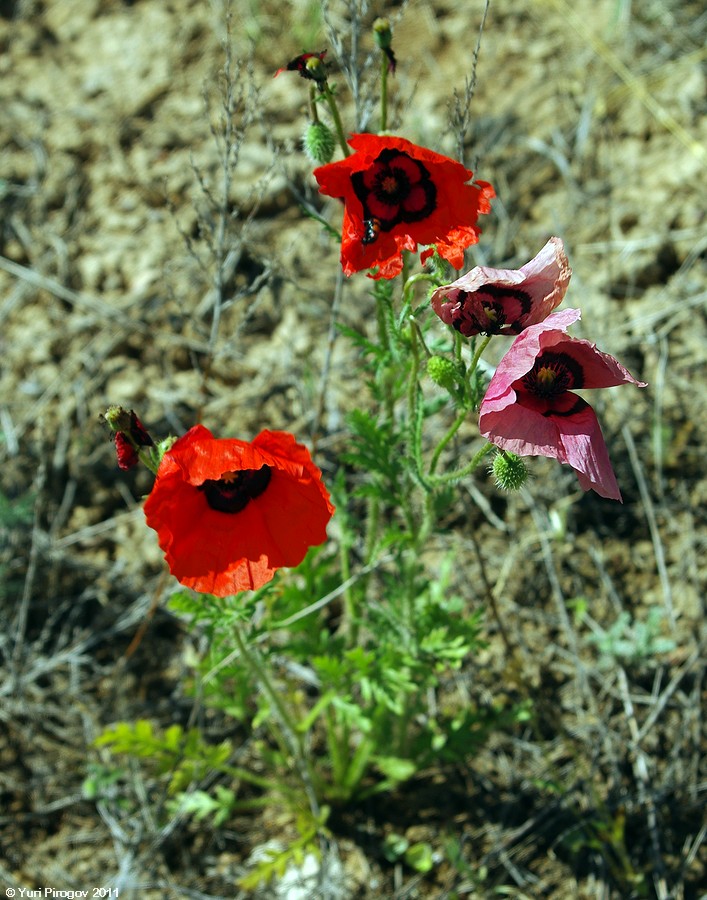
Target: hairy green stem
{"points": [[454, 427], [313, 111], [458, 474], [294, 740], [413, 280], [144, 456], [384, 92], [334, 109], [414, 411], [476, 357]]}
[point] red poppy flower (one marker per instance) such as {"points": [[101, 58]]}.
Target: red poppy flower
{"points": [[505, 301], [229, 513], [529, 408], [398, 195]]}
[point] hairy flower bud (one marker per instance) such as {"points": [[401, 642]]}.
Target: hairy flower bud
{"points": [[443, 372], [319, 143], [509, 471]]}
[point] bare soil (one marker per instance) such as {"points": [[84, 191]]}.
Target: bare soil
{"points": [[589, 119]]}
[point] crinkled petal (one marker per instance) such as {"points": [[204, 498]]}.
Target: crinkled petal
{"points": [[575, 439], [541, 284], [221, 552], [600, 370], [522, 354], [565, 428], [451, 223]]}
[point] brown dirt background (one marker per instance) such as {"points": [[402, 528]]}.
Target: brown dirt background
{"points": [[589, 119]]}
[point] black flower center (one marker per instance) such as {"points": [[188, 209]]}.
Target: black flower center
{"points": [[395, 188], [493, 309], [553, 374], [233, 491]]}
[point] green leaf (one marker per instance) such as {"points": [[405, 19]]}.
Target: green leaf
{"points": [[395, 768], [420, 857]]}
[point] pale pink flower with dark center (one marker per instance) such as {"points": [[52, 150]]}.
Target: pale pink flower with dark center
{"points": [[529, 408], [505, 301]]}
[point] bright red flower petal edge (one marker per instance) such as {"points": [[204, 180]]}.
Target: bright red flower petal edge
{"points": [[223, 553], [454, 204]]}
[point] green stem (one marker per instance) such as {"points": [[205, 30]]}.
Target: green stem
{"points": [[359, 763], [476, 357], [313, 111], [383, 319], [257, 780], [414, 411], [145, 457], [372, 523], [465, 470], [350, 611], [293, 737], [413, 280], [384, 92], [334, 109], [338, 751], [456, 424]]}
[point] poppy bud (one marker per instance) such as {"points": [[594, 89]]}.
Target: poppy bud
{"points": [[319, 143], [382, 33], [315, 68], [443, 372], [130, 435], [509, 471], [118, 419]]}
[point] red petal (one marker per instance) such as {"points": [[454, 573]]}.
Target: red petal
{"points": [[223, 553]]}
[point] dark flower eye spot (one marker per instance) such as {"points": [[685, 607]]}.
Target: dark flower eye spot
{"points": [[234, 490], [512, 313], [504, 310], [553, 374], [395, 189]]}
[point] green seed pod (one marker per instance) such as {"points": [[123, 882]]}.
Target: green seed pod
{"points": [[319, 143], [509, 471], [443, 372]]}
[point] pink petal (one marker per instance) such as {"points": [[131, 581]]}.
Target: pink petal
{"points": [[576, 440], [585, 450], [600, 370], [544, 279], [523, 352], [513, 420]]}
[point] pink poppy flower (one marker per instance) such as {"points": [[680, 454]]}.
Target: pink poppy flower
{"points": [[529, 408], [505, 301]]}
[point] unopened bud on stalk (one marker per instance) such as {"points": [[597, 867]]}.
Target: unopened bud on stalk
{"points": [[315, 69], [509, 471], [443, 372], [382, 33], [130, 435], [319, 143]]}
